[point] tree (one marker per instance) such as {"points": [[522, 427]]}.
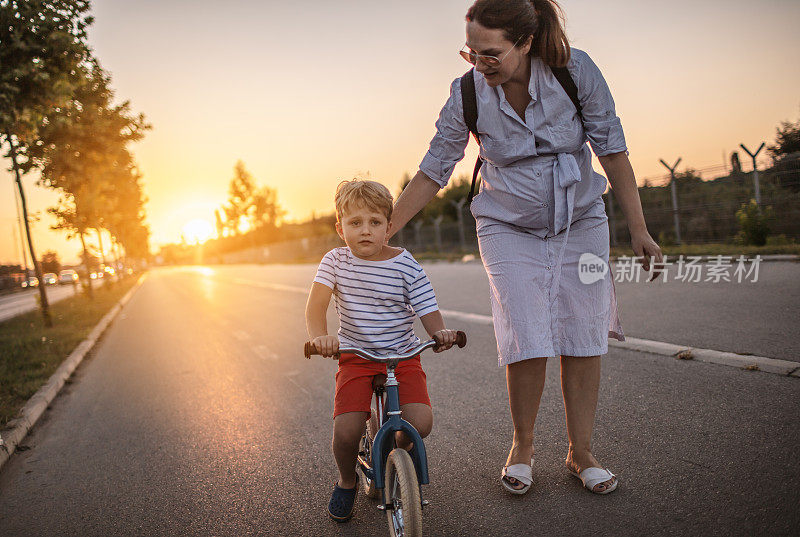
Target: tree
{"points": [[240, 193], [91, 262], [43, 44], [69, 219], [219, 224], [126, 220], [443, 202], [83, 153], [787, 140], [690, 176], [264, 208], [50, 262], [246, 202]]}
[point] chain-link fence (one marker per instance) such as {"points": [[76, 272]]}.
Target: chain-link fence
{"points": [[707, 209], [706, 213]]}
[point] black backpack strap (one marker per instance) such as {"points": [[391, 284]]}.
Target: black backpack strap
{"points": [[469, 103], [565, 79]]}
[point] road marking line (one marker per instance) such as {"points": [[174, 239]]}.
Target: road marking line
{"points": [[274, 286], [468, 317], [746, 361], [731, 359], [289, 376]]}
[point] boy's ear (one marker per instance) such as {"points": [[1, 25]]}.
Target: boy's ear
{"points": [[388, 230], [339, 230]]}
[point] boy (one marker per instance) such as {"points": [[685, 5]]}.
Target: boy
{"points": [[377, 291]]}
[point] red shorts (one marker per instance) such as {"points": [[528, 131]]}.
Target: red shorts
{"points": [[354, 383]]}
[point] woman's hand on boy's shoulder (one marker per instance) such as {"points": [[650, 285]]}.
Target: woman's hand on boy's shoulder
{"points": [[444, 339], [326, 345]]}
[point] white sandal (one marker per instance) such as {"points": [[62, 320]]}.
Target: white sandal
{"points": [[592, 476], [522, 473]]}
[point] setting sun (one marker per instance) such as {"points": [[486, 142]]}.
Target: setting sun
{"points": [[197, 231]]}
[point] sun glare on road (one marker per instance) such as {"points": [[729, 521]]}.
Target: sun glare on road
{"points": [[205, 271], [197, 231]]}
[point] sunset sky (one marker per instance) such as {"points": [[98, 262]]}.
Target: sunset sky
{"points": [[311, 93]]}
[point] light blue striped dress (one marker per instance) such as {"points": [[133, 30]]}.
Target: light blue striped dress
{"points": [[540, 209], [377, 301]]}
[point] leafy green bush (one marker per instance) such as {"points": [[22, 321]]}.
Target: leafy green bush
{"points": [[779, 240], [666, 238], [753, 223]]}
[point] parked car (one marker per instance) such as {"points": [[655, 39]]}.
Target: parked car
{"points": [[67, 276], [50, 278], [33, 281]]}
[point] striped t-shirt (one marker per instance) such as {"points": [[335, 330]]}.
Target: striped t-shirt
{"points": [[377, 300]]}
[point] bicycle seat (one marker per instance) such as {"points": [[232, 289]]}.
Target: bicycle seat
{"points": [[378, 381]]}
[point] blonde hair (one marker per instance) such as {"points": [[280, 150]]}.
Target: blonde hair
{"points": [[361, 192]]}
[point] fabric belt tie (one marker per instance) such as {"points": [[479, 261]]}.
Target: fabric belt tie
{"points": [[566, 175]]}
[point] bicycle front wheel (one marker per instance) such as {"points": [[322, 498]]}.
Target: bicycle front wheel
{"points": [[402, 492]]}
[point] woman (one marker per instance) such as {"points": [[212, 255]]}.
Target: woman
{"points": [[539, 214]]}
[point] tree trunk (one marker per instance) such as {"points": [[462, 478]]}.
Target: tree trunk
{"points": [[48, 322], [89, 290], [21, 234], [100, 243], [103, 258], [115, 250]]}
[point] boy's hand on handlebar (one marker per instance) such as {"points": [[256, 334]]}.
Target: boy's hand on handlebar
{"points": [[326, 345], [444, 339]]}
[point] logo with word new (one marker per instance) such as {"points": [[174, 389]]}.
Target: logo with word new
{"points": [[591, 268]]}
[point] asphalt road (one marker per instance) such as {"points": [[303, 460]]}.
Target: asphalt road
{"points": [[18, 303], [758, 317], [197, 415]]}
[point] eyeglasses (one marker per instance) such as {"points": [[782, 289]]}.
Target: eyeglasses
{"points": [[489, 61]]}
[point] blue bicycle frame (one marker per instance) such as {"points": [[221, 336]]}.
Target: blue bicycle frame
{"points": [[384, 440], [391, 422]]}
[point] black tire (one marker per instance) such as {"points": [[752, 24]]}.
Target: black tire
{"points": [[368, 485], [402, 492]]}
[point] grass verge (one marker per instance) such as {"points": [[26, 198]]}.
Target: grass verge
{"points": [[30, 352]]}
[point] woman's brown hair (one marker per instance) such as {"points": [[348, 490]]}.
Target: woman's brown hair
{"points": [[543, 19]]}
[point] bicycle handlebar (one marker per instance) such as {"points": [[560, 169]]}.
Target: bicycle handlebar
{"points": [[309, 350]]}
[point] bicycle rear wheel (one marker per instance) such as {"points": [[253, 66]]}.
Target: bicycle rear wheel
{"points": [[402, 492], [365, 450]]}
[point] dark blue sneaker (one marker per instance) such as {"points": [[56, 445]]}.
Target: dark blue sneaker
{"points": [[340, 508]]}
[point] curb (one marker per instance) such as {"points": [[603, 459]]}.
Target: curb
{"points": [[682, 352], [785, 368], [39, 402], [765, 258], [709, 258]]}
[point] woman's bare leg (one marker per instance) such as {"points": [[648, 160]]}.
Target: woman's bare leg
{"points": [[525, 381], [580, 382]]}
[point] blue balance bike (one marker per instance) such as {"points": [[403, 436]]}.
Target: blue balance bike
{"points": [[387, 472]]}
